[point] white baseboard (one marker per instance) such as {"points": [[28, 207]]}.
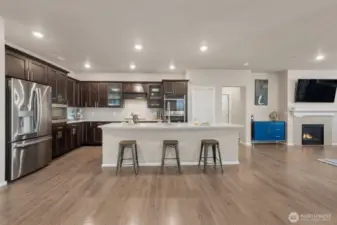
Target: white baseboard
{"points": [[228, 163], [290, 144], [334, 144], [246, 143], [4, 184]]}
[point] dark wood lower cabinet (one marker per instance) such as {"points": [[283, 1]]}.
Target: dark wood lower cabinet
{"points": [[67, 137], [59, 139], [93, 134]]}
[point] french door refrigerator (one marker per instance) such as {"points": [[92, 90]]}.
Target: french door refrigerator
{"points": [[28, 127]]}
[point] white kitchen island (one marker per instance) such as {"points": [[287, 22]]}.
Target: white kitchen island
{"points": [[150, 137]]}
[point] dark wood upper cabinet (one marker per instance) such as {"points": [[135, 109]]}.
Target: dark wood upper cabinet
{"points": [[62, 81], [38, 72], [78, 94], [102, 95], [180, 88], [71, 86], [114, 95], [85, 94], [176, 88], [168, 87], [16, 65], [52, 80], [94, 92]]}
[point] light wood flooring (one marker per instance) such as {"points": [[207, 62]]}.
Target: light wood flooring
{"points": [[269, 183]]}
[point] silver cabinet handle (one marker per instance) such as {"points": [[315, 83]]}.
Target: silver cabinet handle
{"points": [[31, 142]]}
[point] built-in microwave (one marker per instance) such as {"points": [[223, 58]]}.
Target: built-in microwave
{"points": [[59, 113]]}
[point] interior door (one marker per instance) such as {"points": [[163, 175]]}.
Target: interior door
{"points": [[203, 104], [226, 108]]}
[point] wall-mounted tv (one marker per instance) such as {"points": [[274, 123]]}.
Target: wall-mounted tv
{"points": [[315, 90]]}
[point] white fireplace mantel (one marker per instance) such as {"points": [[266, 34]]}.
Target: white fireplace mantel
{"points": [[302, 112]]}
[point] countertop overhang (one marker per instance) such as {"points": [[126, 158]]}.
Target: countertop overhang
{"points": [[163, 126]]}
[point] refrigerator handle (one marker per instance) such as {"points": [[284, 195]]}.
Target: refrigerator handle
{"points": [[31, 142]]}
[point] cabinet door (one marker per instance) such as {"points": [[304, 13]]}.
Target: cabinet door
{"points": [[98, 136], [71, 85], [102, 95], [180, 88], [114, 96], [168, 87], [16, 65], [62, 81], [261, 131], [59, 140], [94, 93], [38, 72], [85, 94], [78, 94], [52, 80]]}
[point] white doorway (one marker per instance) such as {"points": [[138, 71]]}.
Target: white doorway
{"points": [[226, 108], [203, 104]]}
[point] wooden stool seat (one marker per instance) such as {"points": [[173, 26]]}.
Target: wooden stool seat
{"points": [[170, 142], [210, 141], [128, 142]]}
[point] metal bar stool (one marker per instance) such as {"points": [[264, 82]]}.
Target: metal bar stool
{"points": [[205, 144], [132, 144], [171, 144]]}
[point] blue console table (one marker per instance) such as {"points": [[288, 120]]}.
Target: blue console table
{"points": [[268, 131]]}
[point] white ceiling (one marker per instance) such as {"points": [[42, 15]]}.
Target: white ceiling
{"points": [[271, 35]]}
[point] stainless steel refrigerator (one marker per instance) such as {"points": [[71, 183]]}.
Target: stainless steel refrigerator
{"points": [[28, 127]]}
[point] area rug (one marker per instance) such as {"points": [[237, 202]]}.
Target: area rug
{"points": [[332, 162]]}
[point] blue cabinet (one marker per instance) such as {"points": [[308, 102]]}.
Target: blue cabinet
{"points": [[268, 131]]}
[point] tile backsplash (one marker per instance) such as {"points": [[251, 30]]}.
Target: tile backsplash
{"points": [[130, 106]]}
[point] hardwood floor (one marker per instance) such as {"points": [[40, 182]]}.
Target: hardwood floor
{"points": [[269, 183]]}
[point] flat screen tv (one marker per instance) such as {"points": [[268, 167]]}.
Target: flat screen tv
{"points": [[315, 90]]}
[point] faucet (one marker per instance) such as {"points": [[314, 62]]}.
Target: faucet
{"points": [[135, 118]]}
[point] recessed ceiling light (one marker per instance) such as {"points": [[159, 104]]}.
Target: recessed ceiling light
{"points": [[38, 34], [203, 48], [138, 47], [132, 66], [246, 64], [320, 57], [172, 67], [87, 65]]}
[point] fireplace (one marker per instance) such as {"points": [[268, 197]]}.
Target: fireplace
{"points": [[312, 134]]}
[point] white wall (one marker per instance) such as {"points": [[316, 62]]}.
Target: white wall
{"points": [[219, 79], [117, 114], [235, 104], [2, 100], [292, 77], [128, 76], [262, 112]]}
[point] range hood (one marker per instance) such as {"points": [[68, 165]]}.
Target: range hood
{"points": [[134, 91]]}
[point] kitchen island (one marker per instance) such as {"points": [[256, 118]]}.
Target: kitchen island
{"points": [[149, 139]]}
